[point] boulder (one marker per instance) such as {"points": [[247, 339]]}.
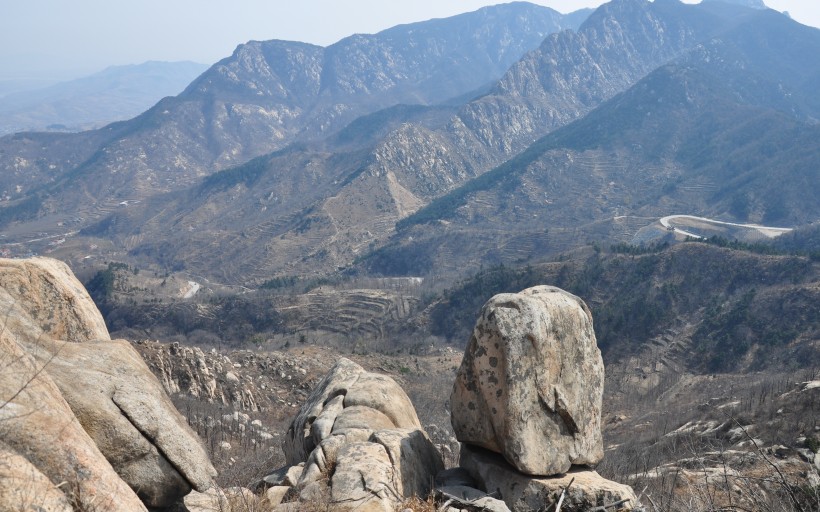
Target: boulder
{"points": [[24, 487], [347, 385], [287, 476], [380, 473], [361, 443], [37, 423], [106, 388], [363, 479], [414, 458], [275, 495], [531, 382], [125, 410], [525, 493], [55, 303]]}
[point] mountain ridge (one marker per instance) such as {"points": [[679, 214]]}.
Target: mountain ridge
{"points": [[325, 204], [116, 93]]}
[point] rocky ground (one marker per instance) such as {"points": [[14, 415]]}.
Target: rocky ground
{"points": [[704, 439], [682, 440]]}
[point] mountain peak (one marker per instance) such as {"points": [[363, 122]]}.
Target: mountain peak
{"points": [[754, 4]]}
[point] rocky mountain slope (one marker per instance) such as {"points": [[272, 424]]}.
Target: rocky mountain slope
{"points": [[734, 142], [115, 94], [269, 217], [266, 95]]}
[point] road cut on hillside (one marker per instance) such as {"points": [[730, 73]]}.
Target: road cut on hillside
{"points": [[768, 231]]}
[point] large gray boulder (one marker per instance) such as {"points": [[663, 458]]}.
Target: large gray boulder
{"points": [[55, 303], [531, 382], [125, 410], [104, 384], [347, 399]]}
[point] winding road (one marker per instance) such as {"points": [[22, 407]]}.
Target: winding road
{"points": [[769, 231]]}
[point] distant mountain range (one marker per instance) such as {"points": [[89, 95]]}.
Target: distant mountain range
{"points": [[438, 147], [114, 94]]}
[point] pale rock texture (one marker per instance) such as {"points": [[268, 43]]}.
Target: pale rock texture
{"points": [[37, 423], [361, 442], [347, 385], [286, 476], [274, 495], [531, 382], [413, 457], [54, 334], [124, 409], [363, 478], [524, 493], [54, 301], [24, 487]]}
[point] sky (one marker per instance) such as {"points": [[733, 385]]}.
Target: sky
{"points": [[61, 39]]}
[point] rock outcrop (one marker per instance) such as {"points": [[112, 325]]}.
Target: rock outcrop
{"points": [[83, 408], [359, 401], [25, 486], [37, 424], [48, 302], [531, 382], [361, 443]]}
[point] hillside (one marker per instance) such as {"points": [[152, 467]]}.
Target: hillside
{"points": [[737, 310], [692, 137], [266, 95]]}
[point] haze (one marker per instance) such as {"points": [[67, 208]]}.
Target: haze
{"points": [[58, 40]]}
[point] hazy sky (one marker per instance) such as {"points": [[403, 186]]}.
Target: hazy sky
{"points": [[61, 39]]}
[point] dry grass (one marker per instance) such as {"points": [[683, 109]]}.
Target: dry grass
{"points": [[415, 504]]}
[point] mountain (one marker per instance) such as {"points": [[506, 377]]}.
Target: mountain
{"points": [[268, 94], [727, 130], [262, 98], [415, 189], [404, 165], [117, 93]]}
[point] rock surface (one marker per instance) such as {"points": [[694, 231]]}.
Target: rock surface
{"points": [[35, 421], [124, 409], [347, 385], [24, 487], [90, 410], [531, 382], [50, 301], [361, 443], [524, 493]]}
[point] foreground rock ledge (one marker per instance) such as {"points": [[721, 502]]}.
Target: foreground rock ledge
{"points": [[90, 414], [531, 383]]}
